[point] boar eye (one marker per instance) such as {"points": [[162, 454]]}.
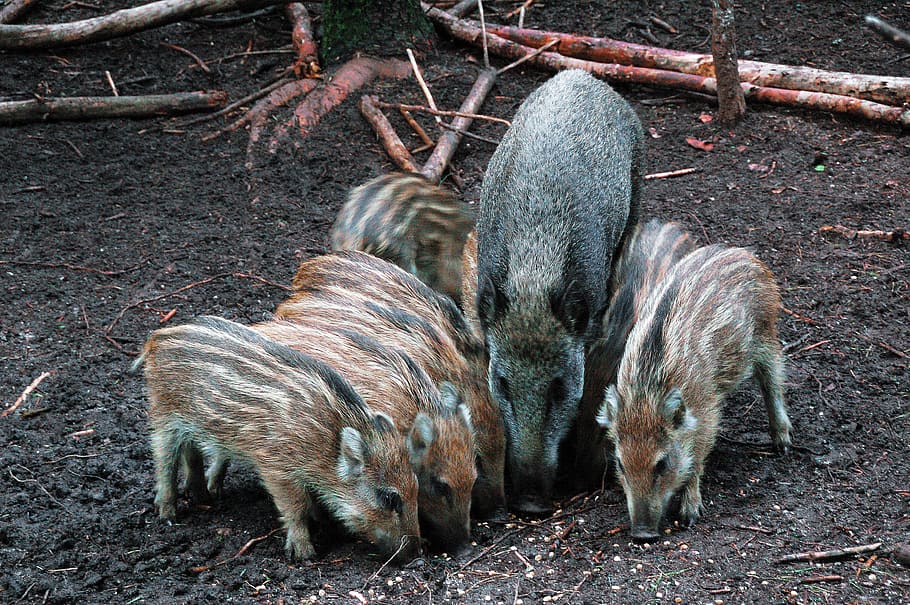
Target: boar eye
{"points": [[620, 467], [661, 467], [502, 385], [389, 500], [441, 488]]}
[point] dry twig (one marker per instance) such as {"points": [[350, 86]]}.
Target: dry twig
{"points": [[22, 398], [887, 236], [669, 175], [387, 135], [826, 555], [243, 549]]}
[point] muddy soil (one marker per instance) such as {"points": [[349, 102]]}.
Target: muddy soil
{"points": [[110, 226]]}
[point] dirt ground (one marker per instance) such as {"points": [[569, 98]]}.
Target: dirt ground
{"points": [[108, 226]]}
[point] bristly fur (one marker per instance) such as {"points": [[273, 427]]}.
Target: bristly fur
{"points": [[410, 221], [221, 388], [386, 303], [713, 321], [559, 196]]}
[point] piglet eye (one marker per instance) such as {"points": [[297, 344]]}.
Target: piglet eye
{"points": [[390, 500], [661, 467], [441, 488]]}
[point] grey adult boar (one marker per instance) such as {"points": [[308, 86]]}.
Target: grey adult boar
{"points": [[218, 388], [560, 193], [710, 323]]}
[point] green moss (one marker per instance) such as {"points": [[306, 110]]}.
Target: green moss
{"points": [[376, 27]]}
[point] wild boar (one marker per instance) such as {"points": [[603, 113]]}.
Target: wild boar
{"points": [[710, 322], [218, 388], [395, 307], [408, 220], [437, 423], [559, 196]]}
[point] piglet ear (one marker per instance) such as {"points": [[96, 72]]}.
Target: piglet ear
{"points": [[383, 423], [420, 439], [491, 300], [352, 455], [674, 411], [609, 409]]}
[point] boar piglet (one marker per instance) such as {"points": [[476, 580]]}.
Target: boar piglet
{"points": [[396, 308], [646, 257], [410, 221], [436, 423], [710, 323], [559, 196], [220, 389]]}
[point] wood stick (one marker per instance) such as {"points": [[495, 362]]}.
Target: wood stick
{"points": [[387, 135], [463, 8], [416, 127], [119, 23], [423, 85], [14, 9], [515, 11], [817, 579], [825, 555], [518, 62], [891, 34], [85, 108], [441, 112], [888, 236], [890, 90], [21, 399], [307, 63], [255, 96], [448, 141], [669, 175], [467, 31], [190, 54]]}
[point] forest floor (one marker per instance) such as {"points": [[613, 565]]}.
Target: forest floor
{"points": [[107, 226]]}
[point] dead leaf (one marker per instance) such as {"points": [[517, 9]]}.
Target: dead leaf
{"points": [[698, 144], [654, 134], [705, 118]]}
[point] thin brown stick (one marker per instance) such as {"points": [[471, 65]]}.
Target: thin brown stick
{"points": [[515, 11], [441, 112], [28, 390], [189, 54], [255, 96], [669, 175], [14, 9], [888, 236], [518, 62], [387, 135], [86, 108], [110, 81], [448, 141], [825, 555], [69, 266], [469, 135], [817, 579], [119, 23], [243, 549], [416, 127], [423, 84]]}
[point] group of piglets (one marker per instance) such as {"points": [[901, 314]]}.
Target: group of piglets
{"points": [[581, 335]]}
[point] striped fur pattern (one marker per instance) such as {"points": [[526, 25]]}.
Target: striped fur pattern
{"points": [[436, 423], [393, 307], [410, 221], [469, 283], [646, 257], [710, 323], [219, 389]]}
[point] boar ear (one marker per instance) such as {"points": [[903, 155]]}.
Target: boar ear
{"points": [[570, 306], [491, 301], [610, 407], [675, 411], [353, 454], [421, 437], [383, 422]]}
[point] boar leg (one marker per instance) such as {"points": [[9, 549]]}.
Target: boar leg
{"points": [[769, 372], [215, 474], [293, 503], [194, 471], [166, 451], [690, 504]]}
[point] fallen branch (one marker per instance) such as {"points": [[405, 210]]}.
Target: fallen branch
{"points": [[120, 23], [826, 555], [307, 63], [465, 30], [441, 112], [463, 8], [14, 9], [255, 96], [416, 127], [387, 135], [887, 236], [449, 140], [86, 108], [669, 175], [354, 74], [895, 36], [890, 90], [22, 398]]}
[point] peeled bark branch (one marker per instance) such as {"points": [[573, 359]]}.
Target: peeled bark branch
{"points": [[890, 90], [449, 140], [826, 555], [119, 23], [387, 135], [84, 108], [731, 103], [307, 63], [14, 9], [891, 34], [467, 31]]}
